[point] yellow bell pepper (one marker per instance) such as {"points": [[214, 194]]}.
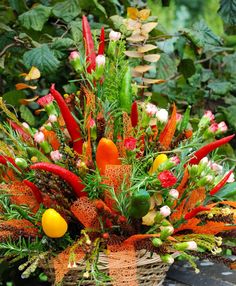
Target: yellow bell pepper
{"points": [[157, 162]]}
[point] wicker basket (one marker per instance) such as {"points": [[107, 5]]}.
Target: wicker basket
{"points": [[151, 271]]}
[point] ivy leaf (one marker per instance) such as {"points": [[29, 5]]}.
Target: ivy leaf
{"points": [[67, 10], [165, 67], [201, 35], [187, 68], [62, 43], [27, 115], [35, 18], [18, 5], [42, 58], [227, 11]]}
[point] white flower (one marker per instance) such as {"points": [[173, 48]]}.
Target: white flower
{"points": [[174, 193], [25, 125], [165, 211], [162, 115], [100, 60], [204, 160], [114, 36], [216, 167]]}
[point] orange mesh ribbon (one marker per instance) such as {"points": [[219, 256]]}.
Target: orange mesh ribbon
{"points": [[86, 212], [22, 195], [115, 176], [169, 130], [61, 262], [128, 129]]}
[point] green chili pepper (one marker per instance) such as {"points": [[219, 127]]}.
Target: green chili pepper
{"points": [[140, 204], [126, 92], [185, 120], [34, 152]]}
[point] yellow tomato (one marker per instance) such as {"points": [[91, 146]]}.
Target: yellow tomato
{"points": [[53, 224], [157, 162]]}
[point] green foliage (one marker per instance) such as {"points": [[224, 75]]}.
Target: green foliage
{"points": [[228, 11]]}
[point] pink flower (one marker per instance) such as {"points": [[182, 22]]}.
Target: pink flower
{"points": [[213, 128], [130, 143], [52, 118], [45, 100], [100, 60], [167, 179], [39, 137], [222, 126], [174, 193], [209, 115], [178, 116], [231, 178], [216, 167], [151, 109], [114, 36], [92, 123], [74, 55], [165, 211], [209, 178], [175, 160], [56, 155], [191, 245]]}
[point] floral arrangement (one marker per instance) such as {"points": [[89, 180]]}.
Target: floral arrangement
{"points": [[109, 170]]}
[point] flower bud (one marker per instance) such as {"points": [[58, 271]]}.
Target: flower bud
{"points": [[167, 258], [231, 178], [100, 60], [174, 193], [39, 137], [56, 155], [222, 127], [21, 163], [74, 55], [52, 118], [175, 160], [156, 242], [25, 125], [204, 160], [165, 211], [46, 147], [192, 245], [114, 36]]}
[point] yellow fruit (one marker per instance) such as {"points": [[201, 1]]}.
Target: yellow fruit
{"points": [[157, 162], [53, 224]]}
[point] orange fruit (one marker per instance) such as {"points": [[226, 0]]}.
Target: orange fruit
{"points": [[54, 225]]}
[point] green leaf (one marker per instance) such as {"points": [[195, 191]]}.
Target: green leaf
{"points": [[67, 10], [4, 28], [43, 58], [35, 18], [13, 97], [76, 31], [62, 43], [93, 7], [201, 35], [165, 67], [18, 5], [26, 115], [228, 191], [187, 68], [227, 11], [230, 114], [220, 87]]}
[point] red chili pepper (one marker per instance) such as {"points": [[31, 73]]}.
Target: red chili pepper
{"points": [[89, 45], [20, 130], [205, 150], [35, 191], [221, 183], [101, 47], [134, 114], [71, 124], [5, 159], [73, 180], [195, 211]]}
